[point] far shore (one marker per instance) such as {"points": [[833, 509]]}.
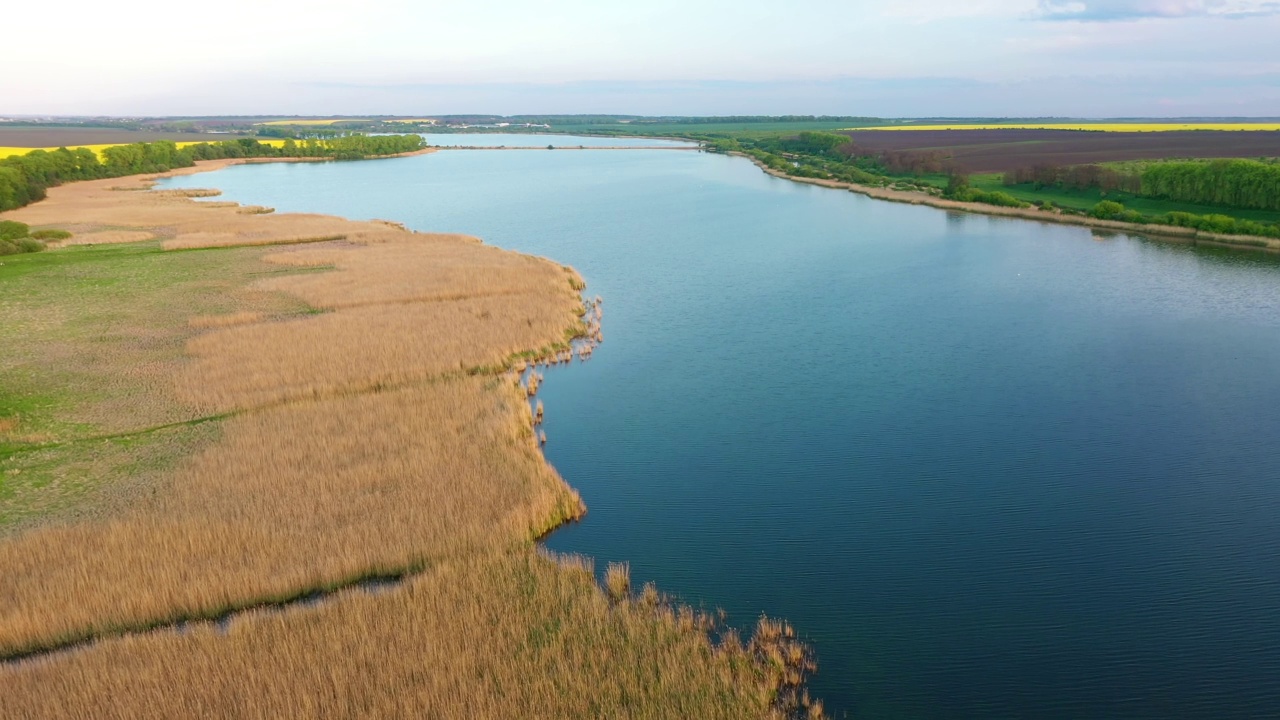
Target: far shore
{"points": [[1168, 233], [564, 147]]}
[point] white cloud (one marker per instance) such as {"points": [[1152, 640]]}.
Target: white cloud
{"points": [[1107, 10]]}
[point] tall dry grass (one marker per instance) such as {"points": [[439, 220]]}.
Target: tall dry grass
{"points": [[504, 636], [381, 435]]}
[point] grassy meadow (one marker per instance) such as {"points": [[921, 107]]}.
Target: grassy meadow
{"points": [[205, 410]]}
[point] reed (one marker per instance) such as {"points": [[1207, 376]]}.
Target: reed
{"points": [[617, 581]]}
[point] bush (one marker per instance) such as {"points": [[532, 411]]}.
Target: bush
{"points": [[1107, 210], [51, 234], [19, 246], [10, 230], [957, 187], [1222, 224], [1001, 199]]}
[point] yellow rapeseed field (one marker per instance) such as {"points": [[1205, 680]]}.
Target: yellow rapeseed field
{"points": [[9, 151], [1098, 127], [305, 402]]}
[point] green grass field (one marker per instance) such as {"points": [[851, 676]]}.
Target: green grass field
{"points": [[69, 431]]}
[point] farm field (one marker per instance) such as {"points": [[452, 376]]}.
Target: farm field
{"points": [[187, 141], [985, 151], [12, 137], [1127, 127]]}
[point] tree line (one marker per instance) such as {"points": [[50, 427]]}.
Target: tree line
{"points": [[1251, 184], [25, 178], [1228, 183]]}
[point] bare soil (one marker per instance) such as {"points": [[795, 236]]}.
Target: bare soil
{"points": [[978, 151]]}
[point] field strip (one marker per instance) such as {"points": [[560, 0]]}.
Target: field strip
{"points": [[98, 148], [1089, 126], [566, 147]]}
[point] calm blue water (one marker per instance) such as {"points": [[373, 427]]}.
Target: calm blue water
{"points": [[541, 141], [990, 468]]}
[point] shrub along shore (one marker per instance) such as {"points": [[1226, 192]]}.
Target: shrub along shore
{"points": [[307, 402]]}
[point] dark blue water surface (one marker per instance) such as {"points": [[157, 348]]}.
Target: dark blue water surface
{"points": [[989, 467]]}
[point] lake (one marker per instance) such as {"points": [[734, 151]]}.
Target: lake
{"points": [[988, 467]]}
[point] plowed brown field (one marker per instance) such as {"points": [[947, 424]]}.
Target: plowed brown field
{"points": [[978, 151]]}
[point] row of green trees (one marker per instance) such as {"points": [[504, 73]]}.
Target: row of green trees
{"points": [[1229, 183], [1249, 184], [25, 178]]}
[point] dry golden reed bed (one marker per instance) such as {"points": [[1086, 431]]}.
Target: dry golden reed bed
{"points": [[356, 418]]}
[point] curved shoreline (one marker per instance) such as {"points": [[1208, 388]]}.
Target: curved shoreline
{"points": [[72, 584]]}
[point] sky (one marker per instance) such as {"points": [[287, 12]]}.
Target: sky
{"points": [[884, 58]]}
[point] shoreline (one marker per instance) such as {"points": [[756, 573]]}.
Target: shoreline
{"points": [[381, 431], [1164, 233]]}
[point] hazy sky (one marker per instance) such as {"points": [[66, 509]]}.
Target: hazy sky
{"points": [[694, 57]]}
